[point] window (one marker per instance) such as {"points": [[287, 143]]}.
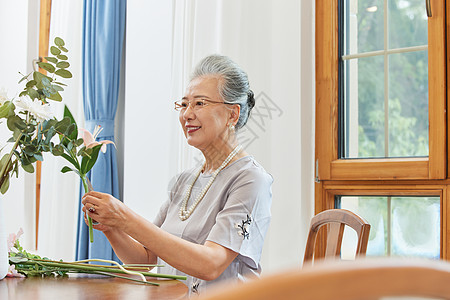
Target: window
{"points": [[381, 133], [384, 73]]}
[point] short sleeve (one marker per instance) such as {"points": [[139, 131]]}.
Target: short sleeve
{"points": [[172, 189], [161, 216], [243, 222]]}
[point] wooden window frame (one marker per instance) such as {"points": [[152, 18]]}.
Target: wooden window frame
{"points": [[413, 176], [441, 188], [329, 166]]}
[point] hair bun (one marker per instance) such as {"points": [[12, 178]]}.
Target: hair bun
{"points": [[250, 99]]}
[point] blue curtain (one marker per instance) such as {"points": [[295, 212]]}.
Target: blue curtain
{"points": [[103, 35]]}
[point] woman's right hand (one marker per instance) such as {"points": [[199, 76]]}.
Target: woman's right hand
{"points": [[95, 224], [106, 209]]}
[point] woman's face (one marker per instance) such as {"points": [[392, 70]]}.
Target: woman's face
{"points": [[207, 126]]}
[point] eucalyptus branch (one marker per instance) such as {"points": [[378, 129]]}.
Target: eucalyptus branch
{"points": [[6, 166]]}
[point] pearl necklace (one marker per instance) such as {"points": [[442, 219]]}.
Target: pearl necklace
{"points": [[185, 213]]}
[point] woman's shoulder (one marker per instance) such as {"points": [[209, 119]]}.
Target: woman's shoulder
{"points": [[184, 176], [248, 167]]}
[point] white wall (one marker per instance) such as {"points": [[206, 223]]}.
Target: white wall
{"points": [[273, 42]]}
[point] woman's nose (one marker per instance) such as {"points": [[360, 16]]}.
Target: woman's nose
{"points": [[189, 114]]}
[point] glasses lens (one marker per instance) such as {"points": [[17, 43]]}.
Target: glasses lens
{"points": [[180, 105]]}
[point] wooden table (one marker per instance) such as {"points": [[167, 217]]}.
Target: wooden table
{"points": [[88, 287]]}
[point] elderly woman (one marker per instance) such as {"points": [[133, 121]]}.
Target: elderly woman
{"points": [[213, 225]]}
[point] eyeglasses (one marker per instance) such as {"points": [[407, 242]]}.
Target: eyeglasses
{"points": [[196, 104]]}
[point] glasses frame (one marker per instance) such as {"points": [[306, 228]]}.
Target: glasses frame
{"points": [[206, 102]]}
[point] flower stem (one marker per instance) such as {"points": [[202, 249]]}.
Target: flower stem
{"points": [[82, 268], [6, 166], [86, 189]]}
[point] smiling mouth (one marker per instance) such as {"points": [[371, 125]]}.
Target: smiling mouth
{"points": [[192, 129]]}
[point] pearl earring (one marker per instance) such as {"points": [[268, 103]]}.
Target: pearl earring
{"points": [[231, 126]]}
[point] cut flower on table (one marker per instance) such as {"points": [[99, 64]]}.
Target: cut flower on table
{"points": [[23, 264]]}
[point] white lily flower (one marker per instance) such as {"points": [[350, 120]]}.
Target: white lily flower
{"points": [[38, 109]]}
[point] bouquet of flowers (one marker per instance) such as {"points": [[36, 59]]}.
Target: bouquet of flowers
{"points": [[30, 118], [34, 127]]}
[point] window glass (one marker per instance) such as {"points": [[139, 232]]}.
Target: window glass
{"points": [[400, 226], [384, 86], [407, 21]]}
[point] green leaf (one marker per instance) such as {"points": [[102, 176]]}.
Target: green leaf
{"points": [[49, 134], [87, 163], [57, 88], [66, 169], [56, 97], [78, 142], [31, 83], [51, 59], [46, 82], [71, 160], [38, 77], [4, 160], [60, 83], [28, 168], [23, 77], [7, 109], [16, 123], [58, 151], [54, 50], [62, 125], [17, 259], [71, 131], [38, 156], [68, 114], [63, 73], [46, 66], [33, 93], [59, 42], [47, 124], [29, 149], [63, 64], [5, 185], [64, 49], [62, 57]]}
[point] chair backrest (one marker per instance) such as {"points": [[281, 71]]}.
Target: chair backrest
{"points": [[350, 280], [336, 220]]}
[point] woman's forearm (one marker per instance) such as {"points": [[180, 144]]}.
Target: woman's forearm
{"points": [[128, 250], [202, 261]]}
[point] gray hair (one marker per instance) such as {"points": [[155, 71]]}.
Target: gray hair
{"points": [[233, 86]]}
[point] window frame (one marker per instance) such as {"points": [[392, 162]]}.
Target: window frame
{"points": [[331, 189], [328, 165], [385, 176]]}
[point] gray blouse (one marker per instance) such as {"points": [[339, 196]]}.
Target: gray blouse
{"points": [[234, 213]]}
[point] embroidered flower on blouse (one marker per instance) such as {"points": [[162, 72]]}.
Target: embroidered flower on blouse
{"points": [[195, 286], [243, 227]]}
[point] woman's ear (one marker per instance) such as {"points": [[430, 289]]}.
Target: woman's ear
{"points": [[235, 112]]}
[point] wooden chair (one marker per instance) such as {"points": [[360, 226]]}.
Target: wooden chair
{"points": [[350, 280], [336, 219]]}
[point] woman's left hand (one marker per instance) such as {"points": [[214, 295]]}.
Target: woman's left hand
{"points": [[105, 209]]}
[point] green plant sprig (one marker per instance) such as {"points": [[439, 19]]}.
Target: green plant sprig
{"points": [[43, 87], [33, 265]]}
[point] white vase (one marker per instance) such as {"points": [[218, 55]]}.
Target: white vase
{"points": [[4, 263]]}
